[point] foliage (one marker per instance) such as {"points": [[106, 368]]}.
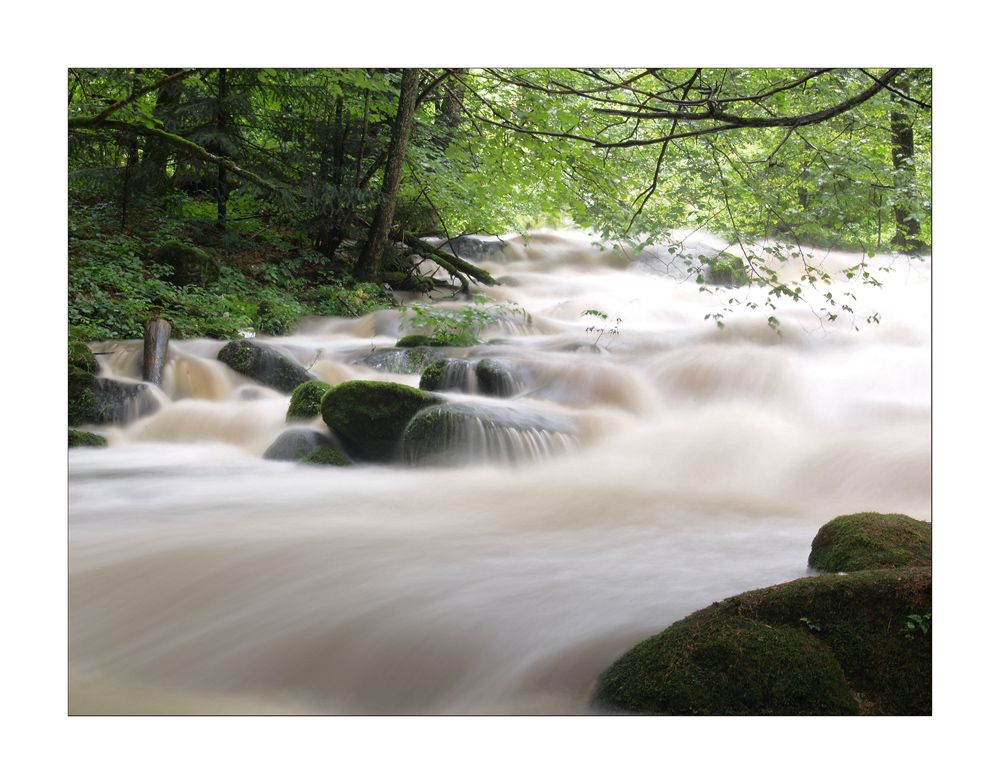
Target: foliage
{"points": [[602, 331], [917, 622], [464, 325]]}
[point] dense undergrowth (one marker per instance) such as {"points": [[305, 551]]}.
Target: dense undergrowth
{"points": [[270, 275]]}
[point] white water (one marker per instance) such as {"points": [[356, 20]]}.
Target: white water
{"points": [[205, 579]]}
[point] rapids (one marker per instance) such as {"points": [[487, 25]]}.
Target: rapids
{"points": [[203, 579]]}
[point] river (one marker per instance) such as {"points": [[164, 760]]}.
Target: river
{"points": [[204, 579]]}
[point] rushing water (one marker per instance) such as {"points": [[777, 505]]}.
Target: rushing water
{"points": [[206, 579]]}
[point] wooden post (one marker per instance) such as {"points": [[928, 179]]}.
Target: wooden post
{"points": [[154, 350]]}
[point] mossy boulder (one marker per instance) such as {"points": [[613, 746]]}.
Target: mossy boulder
{"points": [[457, 433], [264, 364], [496, 378], [82, 358], [772, 651], [371, 416], [327, 456], [490, 377], [98, 401], [725, 270], [404, 281], [870, 540], [412, 341], [81, 438], [305, 400], [297, 442], [188, 264]]}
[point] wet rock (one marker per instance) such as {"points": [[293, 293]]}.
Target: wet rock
{"points": [[404, 361], [490, 377], [103, 401], [327, 456], [264, 364], [457, 433], [298, 442], [305, 400], [370, 417], [852, 642]]}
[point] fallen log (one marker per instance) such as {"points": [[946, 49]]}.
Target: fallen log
{"points": [[460, 268]]}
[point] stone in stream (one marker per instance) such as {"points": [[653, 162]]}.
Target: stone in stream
{"points": [[306, 399], [99, 401], [264, 364], [370, 417], [297, 442], [490, 377], [838, 644], [457, 433]]}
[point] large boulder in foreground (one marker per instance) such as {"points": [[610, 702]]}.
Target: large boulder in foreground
{"points": [[753, 653], [828, 645], [264, 364], [370, 417], [871, 541]]}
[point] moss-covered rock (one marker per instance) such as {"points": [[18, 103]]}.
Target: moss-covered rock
{"points": [[404, 281], [457, 433], [297, 442], [264, 364], [870, 540], [371, 416], [496, 378], [81, 438], [327, 456], [305, 400], [725, 270], [701, 664], [82, 358], [412, 341], [723, 665], [98, 401], [188, 264]]}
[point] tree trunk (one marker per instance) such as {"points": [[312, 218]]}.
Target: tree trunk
{"points": [[222, 187], [907, 227], [154, 350], [369, 264]]}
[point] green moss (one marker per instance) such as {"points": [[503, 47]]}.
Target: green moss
{"points": [[82, 403], [859, 618], [80, 356], [189, 265], [871, 541], [81, 438], [371, 416], [721, 665], [306, 399], [413, 341], [495, 378], [726, 270], [430, 379], [327, 456]]}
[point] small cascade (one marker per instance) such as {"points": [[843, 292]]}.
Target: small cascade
{"points": [[459, 433]]}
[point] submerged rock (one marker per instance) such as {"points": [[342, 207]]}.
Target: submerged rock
{"points": [[264, 364], [834, 644], [327, 456], [104, 401], [405, 361], [456, 433], [371, 416], [297, 442], [490, 377], [871, 541], [305, 400]]}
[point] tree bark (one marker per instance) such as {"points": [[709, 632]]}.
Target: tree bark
{"points": [[154, 350], [370, 261], [907, 226]]}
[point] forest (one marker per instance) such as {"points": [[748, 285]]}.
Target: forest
{"points": [[320, 190]]}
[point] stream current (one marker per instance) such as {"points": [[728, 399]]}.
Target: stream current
{"points": [[205, 579]]}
